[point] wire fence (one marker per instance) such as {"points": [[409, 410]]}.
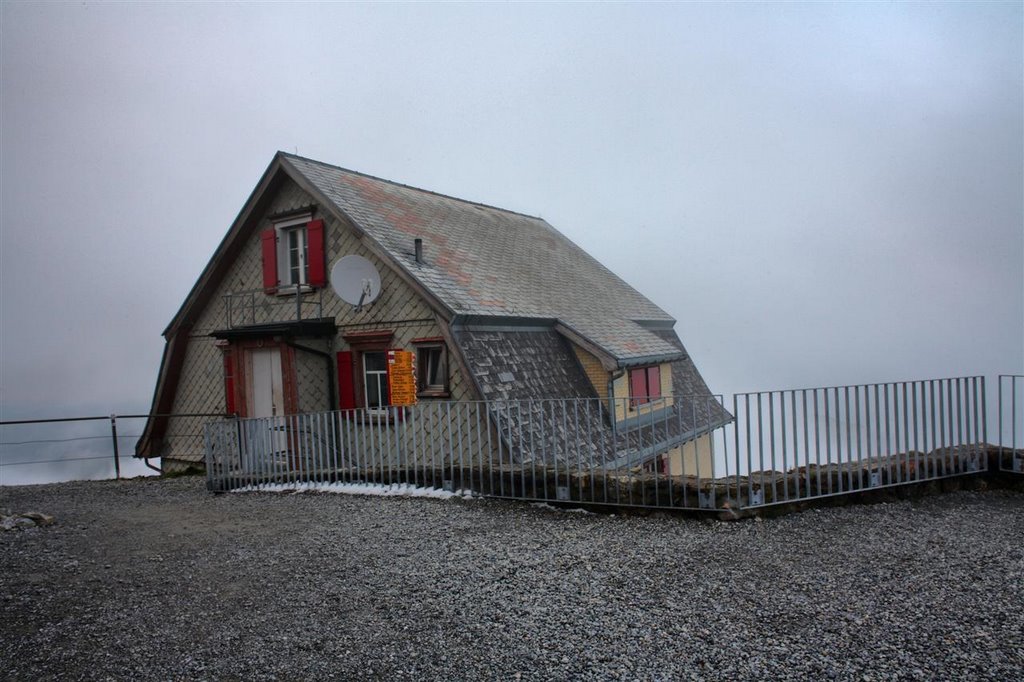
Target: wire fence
{"points": [[85, 448]]}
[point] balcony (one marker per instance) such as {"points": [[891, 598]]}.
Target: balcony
{"points": [[255, 307]]}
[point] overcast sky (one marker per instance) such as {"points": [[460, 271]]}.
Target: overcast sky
{"points": [[819, 194]]}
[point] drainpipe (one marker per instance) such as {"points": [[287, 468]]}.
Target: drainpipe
{"points": [[611, 397], [330, 370], [156, 469]]}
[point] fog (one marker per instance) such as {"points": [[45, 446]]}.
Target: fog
{"points": [[820, 194]]}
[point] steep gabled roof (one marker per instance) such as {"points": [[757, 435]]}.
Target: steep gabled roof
{"points": [[481, 262], [489, 262]]}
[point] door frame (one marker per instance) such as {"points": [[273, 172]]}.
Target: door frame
{"points": [[239, 352]]}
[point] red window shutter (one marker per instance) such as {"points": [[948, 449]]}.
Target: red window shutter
{"points": [[346, 381], [316, 276], [637, 386], [654, 382], [229, 384], [269, 244]]}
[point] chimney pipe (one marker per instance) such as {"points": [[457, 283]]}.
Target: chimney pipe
{"points": [[419, 249]]}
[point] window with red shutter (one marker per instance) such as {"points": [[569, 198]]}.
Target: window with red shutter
{"points": [[346, 381], [268, 240], [316, 275], [298, 259], [654, 382], [644, 385], [637, 387]]}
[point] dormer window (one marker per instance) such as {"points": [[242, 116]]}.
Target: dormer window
{"points": [[293, 255], [644, 385]]}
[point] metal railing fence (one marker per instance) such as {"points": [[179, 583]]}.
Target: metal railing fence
{"points": [[539, 450], [254, 307], [90, 447], [679, 453], [821, 442], [1011, 422]]}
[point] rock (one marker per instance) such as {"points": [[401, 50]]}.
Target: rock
{"points": [[25, 521], [39, 518]]}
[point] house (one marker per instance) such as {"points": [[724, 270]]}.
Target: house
{"points": [[496, 306]]}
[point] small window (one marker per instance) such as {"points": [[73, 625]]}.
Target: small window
{"points": [[644, 385], [375, 380], [432, 369], [292, 252]]}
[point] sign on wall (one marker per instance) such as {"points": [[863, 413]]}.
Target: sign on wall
{"points": [[402, 377]]}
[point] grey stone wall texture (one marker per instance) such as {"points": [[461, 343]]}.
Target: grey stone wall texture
{"points": [[201, 386]]}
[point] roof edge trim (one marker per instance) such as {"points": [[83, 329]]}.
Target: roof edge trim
{"points": [[412, 187], [608, 360]]}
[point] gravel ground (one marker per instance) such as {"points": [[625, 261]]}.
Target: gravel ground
{"points": [[156, 580]]}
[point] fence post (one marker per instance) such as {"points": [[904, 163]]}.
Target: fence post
{"points": [[113, 436]]}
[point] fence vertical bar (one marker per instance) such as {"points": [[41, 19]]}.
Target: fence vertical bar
{"points": [[856, 416], [736, 439], [878, 434], [677, 409], [579, 455], [796, 445], [490, 448], [807, 448], [462, 451], [771, 445], [590, 449], [117, 456], [750, 462], [522, 468]]}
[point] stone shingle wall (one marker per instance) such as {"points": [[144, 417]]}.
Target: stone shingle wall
{"points": [[399, 308], [200, 391]]}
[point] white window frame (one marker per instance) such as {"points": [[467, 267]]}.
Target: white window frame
{"points": [[380, 377], [431, 389], [284, 229]]}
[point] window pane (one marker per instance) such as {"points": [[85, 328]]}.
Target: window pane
{"points": [[435, 361], [431, 370], [375, 362], [294, 255], [372, 391], [375, 377]]}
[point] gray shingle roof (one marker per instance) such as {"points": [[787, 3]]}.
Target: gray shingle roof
{"points": [[548, 413], [481, 260]]}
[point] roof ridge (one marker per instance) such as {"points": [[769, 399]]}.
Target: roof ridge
{"points": [[412, 187]]}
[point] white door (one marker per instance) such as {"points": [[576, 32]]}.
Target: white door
{"points": [[266, 389], [268, 437]]}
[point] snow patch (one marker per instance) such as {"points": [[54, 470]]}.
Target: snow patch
{"points": [[374, 489], [564, 510]]}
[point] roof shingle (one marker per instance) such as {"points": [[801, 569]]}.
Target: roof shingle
{"points": [[481, 260]]}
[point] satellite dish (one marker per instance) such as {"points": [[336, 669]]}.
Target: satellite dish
{"points": [[355, 280]]}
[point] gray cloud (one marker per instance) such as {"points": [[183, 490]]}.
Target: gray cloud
{"points": [[819, 194]]}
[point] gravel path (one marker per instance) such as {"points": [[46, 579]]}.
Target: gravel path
{"points": [[155, 580]]}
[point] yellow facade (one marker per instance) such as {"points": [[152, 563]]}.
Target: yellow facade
{"points": [[595, 371], [620, 391], [691, 458]]}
